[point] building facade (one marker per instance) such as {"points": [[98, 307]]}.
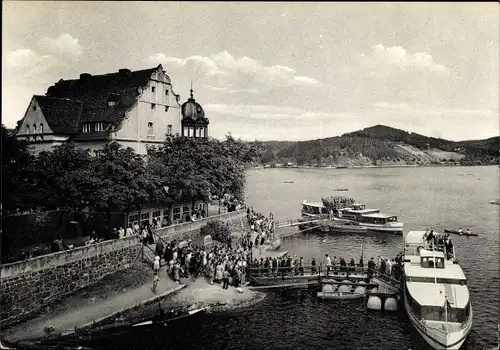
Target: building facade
{"points": [[137, 109]]}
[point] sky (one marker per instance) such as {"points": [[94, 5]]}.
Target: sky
{"points": [[277, 70]]}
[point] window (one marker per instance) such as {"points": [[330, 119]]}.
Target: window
{"points": [[111, 103], [99, 127], [157, 213], [41, 128], [34, 108], [27, 129], [86, 127], [166, 108], [169, 130], [177, 213], [145, 216], [150, 129], [153, 89], [191, 131], [97, 153], [34, 128], [153, 105], [166, 91]]}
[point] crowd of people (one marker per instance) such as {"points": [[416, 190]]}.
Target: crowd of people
{"points": [[441, 241]]}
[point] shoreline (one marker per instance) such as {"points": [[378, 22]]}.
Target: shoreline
{"points": [[340, 167]]}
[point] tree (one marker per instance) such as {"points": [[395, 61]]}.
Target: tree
{"points": [[65, 178], [17, 175], [125, 182], [218, 230]]}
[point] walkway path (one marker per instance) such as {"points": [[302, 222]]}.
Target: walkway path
{"points": [[78, 310]]}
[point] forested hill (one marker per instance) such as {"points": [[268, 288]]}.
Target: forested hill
{"points": [[381, 145]]}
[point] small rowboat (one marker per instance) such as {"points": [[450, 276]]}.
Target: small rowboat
{"points": [[495, 202], [464, 233], [341, 189]]}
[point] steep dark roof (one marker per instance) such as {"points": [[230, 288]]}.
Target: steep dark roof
{"points": [[94, 91], [62, 114]]}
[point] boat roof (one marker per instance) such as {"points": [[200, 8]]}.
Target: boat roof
{"points": [[361, 211], [313, 204], [424, 253], [379, 215], [451, 270], [433, 294]]}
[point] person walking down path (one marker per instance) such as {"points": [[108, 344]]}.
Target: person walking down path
{"points": [[156, 280]]}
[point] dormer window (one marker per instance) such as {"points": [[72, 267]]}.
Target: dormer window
{"points": [[99, 127], [34, 108], [86, 127], [34, 128], [27, 129]]}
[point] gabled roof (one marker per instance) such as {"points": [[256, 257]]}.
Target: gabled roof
{"points": [[94, 91], [62, 114]]}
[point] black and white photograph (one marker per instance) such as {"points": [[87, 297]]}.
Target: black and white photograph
{"points": [[250, 175]]}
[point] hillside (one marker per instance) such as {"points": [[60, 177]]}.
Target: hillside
{"points": [[381, 145]]}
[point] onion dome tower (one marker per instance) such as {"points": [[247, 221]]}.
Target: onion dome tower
{"points": [[193, 122]]}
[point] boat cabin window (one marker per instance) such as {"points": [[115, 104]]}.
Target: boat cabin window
{"points": [[392, 219], [420, 279], [432, 262], [359, 206], [460, 282], [439, 313], [307, 209]]}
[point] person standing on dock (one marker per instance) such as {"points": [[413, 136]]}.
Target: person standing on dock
{"points": [[313, 266], [371, 268], [328, 263]]}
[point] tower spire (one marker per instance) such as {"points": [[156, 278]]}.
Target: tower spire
{"points": [[191, 88]]}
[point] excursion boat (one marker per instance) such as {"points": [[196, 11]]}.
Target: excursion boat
{"points": [[436, 297], [372, 219], [381, 222], [312, 214]]}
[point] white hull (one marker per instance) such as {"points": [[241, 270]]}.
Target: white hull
{"points": [[382, 228], [435, 338]]}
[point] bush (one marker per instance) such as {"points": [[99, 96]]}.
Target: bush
{"points": [[218, 230]]}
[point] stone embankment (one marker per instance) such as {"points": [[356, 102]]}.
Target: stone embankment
{"points": [[27, 287]]}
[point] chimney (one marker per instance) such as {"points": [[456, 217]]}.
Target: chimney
{"points": [[124, 72], [85, 76]]}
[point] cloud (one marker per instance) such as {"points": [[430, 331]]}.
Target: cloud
{"points": [[224, 72], [384, 59], [49, 58], [63, 46]]}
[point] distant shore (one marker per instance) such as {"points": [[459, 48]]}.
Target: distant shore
{"points": [[370, 166]]}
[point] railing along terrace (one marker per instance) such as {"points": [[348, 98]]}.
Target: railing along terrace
{"points": [[321, 269]]}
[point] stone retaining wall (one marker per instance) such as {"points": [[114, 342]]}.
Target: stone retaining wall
{"points": [[30, 285]]}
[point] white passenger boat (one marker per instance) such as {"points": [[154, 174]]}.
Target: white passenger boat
{"points": [[436, 296], [372, 219], [381, 222]]}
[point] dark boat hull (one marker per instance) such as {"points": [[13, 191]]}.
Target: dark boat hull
{"points": [[461, 234]]}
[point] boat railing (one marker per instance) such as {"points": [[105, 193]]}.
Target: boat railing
{"points": [[440, 248], [386, 278]]}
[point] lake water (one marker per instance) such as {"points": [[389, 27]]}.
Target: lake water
{"points": [[441, 197]]}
